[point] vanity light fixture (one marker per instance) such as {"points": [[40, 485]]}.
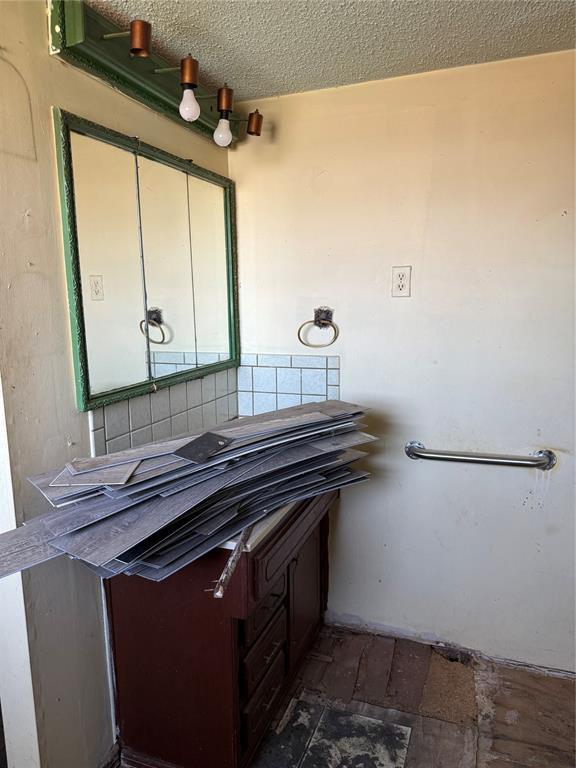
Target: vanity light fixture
{"points": [[140, 34], [223, 134], [189, 107], [254, 123]]}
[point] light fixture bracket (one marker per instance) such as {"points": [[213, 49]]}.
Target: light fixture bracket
{"points": [[76, 36]]}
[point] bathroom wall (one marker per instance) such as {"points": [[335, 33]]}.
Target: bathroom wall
{"points": [[467, 175], [62, 599]]}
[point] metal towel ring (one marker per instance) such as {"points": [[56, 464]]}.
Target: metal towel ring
{"points": [[322, 319], [154, 324]]}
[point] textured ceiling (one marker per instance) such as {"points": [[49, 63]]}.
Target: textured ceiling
{"points": [[272, 47]]}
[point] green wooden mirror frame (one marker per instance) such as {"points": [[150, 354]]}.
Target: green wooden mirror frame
{"points": [[64, 123]]}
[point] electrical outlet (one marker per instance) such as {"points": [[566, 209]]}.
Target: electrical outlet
{"points": [[96, 287], [401, 281]]}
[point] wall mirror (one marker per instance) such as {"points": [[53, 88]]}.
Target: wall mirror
{"points": [[150, 260]]}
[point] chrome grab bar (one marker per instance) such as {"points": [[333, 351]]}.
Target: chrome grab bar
{"points": [[539, 460]]}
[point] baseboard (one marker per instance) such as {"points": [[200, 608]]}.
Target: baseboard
{"points": [[113, 758], [355, 624]]}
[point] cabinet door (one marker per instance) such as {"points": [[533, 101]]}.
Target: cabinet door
{"points": [[305, 597]]}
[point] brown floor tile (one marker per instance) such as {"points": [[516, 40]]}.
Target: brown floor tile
{"points": [[340, 676], [374, 670], [449, 693], [525, 718], [407, 677]]}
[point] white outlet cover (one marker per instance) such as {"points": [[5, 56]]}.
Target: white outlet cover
{"points": [[96, 287], [402, 282]]}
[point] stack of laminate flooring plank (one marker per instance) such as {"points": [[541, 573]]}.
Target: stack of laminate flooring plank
{"points": [[152, 510]]}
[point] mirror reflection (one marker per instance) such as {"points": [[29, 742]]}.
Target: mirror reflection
{"points": [[110, 263], [154, 265]]}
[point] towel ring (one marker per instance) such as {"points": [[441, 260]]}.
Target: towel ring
{"points": [[154, 324], [322, 319]]}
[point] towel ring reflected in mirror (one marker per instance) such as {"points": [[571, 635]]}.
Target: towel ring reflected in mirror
{"points": [[152, 324], [322, 319]]}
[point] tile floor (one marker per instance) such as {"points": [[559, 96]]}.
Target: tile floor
{"points": [[359, 697]]}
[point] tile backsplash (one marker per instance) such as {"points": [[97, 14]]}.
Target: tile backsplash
{"points": [[164, 363], [262, 383], [267, 382], [187, 407]]}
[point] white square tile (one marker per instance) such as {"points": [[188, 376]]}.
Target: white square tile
{"points": [[222, 409], [160, 405], [208, 388], [333, 393], [264, 402], [232, 379], [334, 377], [98, 442], [209, 415], [179, 424], [118, 444], [162, 430], [178, 398], [288, 380], [308, 361], [194, 393], [312, 399], [195, 424], [164, 369], [275, 361], [141, 436], [116, 419], [205, 358], [245, 406], [287, 401], [247, 359], [221, 383], [333, 362], [233, 405], [140, 413], [264, 379], [244, 379], [313, 382]]}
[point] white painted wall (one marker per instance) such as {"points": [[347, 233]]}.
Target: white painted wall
{"points": [[62, 599], [467, 175]]}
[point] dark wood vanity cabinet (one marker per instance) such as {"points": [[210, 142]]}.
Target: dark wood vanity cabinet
{"points": [[198, 680]]}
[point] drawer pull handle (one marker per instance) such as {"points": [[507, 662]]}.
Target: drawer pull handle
{"points": [[274, 692], [275, 647]]}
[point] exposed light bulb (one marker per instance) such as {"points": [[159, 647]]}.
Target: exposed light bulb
{"points": [[189, 107], [223, 134]]}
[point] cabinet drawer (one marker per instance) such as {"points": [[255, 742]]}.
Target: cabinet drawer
{"points": [[260, 708], [255, 623], [262, 654], [277, 555]]}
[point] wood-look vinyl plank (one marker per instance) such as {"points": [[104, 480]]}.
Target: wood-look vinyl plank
{"points": [[83, 514], [18, 559], [150, 451], [54, 495], [108, 538], [117, 475], [223, 535]]}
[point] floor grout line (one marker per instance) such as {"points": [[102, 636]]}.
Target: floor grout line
{"points": [[305, 752]]}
